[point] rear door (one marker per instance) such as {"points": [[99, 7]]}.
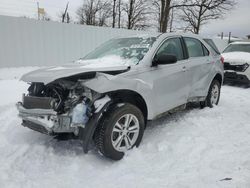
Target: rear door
{"points": [[200, 64]]}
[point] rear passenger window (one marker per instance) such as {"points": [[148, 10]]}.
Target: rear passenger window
{"points": [[172, 46], [194, 47]]}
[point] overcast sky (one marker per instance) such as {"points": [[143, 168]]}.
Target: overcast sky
{"points": [[237, 21]]}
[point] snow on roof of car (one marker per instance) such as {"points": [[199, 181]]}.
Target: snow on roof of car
{"points": [[236, 56]]}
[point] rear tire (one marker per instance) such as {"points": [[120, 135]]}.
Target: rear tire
{"points": [[213, 96], [121, 129]]}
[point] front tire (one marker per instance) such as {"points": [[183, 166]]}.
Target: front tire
{"points": [[121, 129], [213, 96]]}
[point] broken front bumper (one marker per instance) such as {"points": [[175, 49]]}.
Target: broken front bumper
{"points": [[45, 120], [48, 122]]}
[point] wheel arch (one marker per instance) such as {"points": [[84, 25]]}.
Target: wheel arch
{"points": [[218, 77], [132, 97]]}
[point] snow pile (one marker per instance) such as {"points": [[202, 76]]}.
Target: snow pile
{"points": [[192, 148], [242, 57]]}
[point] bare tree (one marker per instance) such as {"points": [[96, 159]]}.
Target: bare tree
{"points": [[163, 9], [119, 13], [114, 13], [136, 11], [156, 12], [104, 14], [202, 11], [87, 12], [165, 6], [81, 15], [94, 12]]}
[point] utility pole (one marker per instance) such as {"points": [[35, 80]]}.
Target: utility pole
{"points": [[65, 13], [38, 14], [229, 37]]}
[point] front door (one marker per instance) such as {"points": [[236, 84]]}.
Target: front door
{"points": [[170, 81]]}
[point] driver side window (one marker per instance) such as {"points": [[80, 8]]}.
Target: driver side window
{"points": [[171, 47]]}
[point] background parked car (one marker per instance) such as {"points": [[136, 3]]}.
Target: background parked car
{"points": [[237, 60]]}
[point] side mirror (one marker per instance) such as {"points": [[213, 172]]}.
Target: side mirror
{"points": [[164, 59]]}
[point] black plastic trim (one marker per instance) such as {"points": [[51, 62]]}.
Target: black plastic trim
{"points": [[238, 68], [234, 77], [86, 134], [36, 127], [184, 48]]}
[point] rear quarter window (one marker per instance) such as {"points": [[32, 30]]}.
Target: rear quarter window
{"points": [[194, 47], [212, 45]]}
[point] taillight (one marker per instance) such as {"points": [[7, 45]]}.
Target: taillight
{"points": [[222, 60]]}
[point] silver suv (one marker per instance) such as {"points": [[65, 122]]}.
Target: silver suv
{"points": [[108, 96]]}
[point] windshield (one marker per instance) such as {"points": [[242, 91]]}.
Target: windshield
{"points": [[238, 48], [130, 49]]}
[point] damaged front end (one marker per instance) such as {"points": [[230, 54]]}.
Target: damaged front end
{"points": [[63, 106]]}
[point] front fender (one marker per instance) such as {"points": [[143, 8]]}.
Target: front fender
{"points": [[104, 83]]}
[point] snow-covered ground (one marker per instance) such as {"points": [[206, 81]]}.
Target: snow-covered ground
{"points": [[192, 148]]}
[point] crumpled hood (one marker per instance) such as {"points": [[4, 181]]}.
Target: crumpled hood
{"points": [[236, 57], [50, 74]]}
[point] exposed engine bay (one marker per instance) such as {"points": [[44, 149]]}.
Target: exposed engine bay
{"points": [[60, 96], [59, 107], [58, 100]]}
